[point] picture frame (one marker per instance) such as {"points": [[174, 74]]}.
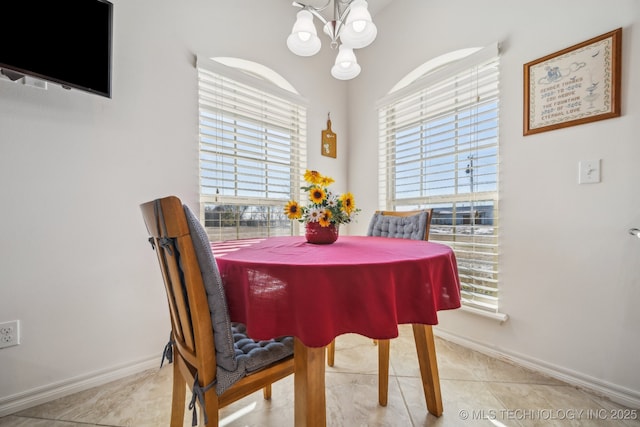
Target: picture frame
{"points": [[576, 85]]}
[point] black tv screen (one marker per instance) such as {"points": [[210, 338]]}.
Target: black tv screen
{"points": [[65, 41]]}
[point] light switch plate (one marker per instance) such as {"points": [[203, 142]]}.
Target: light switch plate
{"points": [[588, 171]]}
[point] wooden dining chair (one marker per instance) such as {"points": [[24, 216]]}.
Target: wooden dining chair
{"points": [[413, 225], [211, 355]]}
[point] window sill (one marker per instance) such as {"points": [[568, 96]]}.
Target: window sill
{"points": [[501, 317]]}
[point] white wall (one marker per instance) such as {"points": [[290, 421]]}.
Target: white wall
{"points": [[75, 265], [569, 272]]}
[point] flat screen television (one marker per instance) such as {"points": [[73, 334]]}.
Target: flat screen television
{"points": [[67, 42]]}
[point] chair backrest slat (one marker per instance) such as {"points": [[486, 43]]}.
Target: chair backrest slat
{"points": [[182, 309], [186, 296], [169, 285]]}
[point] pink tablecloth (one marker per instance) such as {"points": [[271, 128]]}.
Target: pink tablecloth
{"points": [[367, 285]]}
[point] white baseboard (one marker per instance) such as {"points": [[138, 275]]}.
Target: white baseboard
{"points": [[49, 392], [619, 394]]}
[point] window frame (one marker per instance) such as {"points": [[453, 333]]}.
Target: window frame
{"points": [[390, 179], [230, 94]]}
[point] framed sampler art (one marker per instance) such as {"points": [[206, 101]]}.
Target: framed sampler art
{"points": [[579, 84]]}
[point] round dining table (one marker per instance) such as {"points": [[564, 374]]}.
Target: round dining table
{"points": [[360, 284]]}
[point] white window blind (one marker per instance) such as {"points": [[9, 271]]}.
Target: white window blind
{"points": [[252, 152], [439, 149]]}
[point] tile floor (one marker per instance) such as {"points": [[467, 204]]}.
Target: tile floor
{"points": [[477, 391]]}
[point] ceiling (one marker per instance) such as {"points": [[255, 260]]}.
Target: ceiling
{"points": [[375, 6]]}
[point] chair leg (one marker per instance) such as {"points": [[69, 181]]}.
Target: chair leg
{"points": [[266, 392], [383, 371], [212, 408], [178, 397], [331, 352]]}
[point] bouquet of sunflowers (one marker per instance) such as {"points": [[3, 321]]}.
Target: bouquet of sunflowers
{"points": [[324, 206]]}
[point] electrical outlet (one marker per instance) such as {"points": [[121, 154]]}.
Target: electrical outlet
{"points": [[9, 333]]}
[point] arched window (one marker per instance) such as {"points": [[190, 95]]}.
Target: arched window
{"points": [[439, 149], [252, 135]]}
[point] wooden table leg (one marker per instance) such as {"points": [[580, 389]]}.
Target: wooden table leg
{"points": [[383, 371], [426, 348], [310, 401]]}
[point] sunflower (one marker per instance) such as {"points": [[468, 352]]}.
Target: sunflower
{"points": [[324, 206], [348, 204], [292, 210], [317, 194], [326, 181], [312, 177], [325, 218]]}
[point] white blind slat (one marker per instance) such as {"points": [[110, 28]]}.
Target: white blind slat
{"points": [[438, 145], [252, 152]]}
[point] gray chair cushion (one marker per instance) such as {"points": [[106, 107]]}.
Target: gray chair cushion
{"points": [[401, 227], [236, 353], [258, 354], [225, 350]]}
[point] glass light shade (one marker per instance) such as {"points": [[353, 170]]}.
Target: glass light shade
{"points": [[359, 30], [303, 40], [346, 66]]}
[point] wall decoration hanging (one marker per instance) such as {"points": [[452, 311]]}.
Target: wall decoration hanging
{"points": [[329, 140], [579, 84]]}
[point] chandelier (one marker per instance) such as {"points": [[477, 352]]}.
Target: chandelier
{"points": [[351, 24]]}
